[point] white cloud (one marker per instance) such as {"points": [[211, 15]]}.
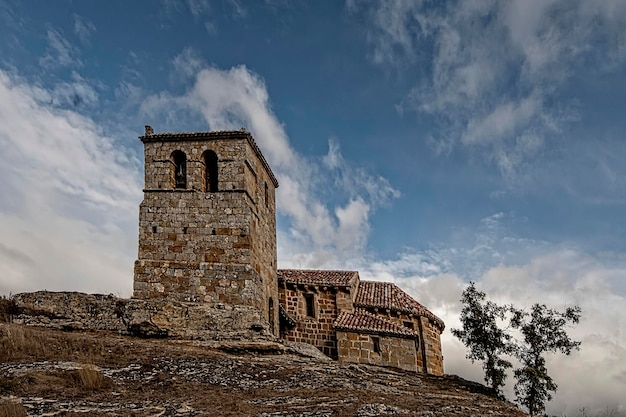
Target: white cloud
{"points": [[523, 272], [590, 171], [492, 71], [211, 27], [187, 63], [355, 181], [503, 121], [593, 378], [239, 10], [60, 52], [83, 29], [77, 93], [199, 7], [560, 280], [70, 197], [320, 233]]}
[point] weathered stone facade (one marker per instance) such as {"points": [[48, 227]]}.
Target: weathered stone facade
{"points": [[359, 321], [207, 223], [315, 307], [395, 306], [207, 237], [377, 349]]}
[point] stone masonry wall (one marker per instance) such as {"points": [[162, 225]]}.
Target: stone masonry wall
{"points": [[198, 246], [191, 251], [396, 352], [263, 232], [413, 323], [317, 331], [432, 346], [345, 298], [429, 343]]}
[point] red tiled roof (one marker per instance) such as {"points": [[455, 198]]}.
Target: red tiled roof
{"points": [[388, 296], [317, 277], [363, 322]]}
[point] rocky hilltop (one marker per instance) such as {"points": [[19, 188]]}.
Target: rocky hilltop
{"points": [[67, 366]]}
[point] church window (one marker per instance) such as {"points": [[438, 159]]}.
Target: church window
{"points": [[376, 343], [266, 195], [180, 169], [210, 171], [309, 300]]}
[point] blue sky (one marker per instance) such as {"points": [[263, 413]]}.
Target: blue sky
{"points": [[427, 143]]}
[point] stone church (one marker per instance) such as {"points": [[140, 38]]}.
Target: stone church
{"points": [[207, 234]]}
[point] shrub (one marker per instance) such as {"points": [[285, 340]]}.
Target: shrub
{"points": [[92, 378]]}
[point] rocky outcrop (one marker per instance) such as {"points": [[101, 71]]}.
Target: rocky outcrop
{"points": [[53, 373], [145, 318]]}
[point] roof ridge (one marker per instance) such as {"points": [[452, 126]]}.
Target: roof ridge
{"points": [[326, 277], [390, 296]]}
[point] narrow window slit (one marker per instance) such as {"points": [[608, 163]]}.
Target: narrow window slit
{"points": [[309, 299], [210, 172], [180, 169], [376, 342]]}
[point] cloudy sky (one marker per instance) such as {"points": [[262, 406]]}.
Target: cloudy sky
{"points": [[428, 143]]}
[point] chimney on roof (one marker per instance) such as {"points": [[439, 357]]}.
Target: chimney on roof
{"points": [[149, 130]]}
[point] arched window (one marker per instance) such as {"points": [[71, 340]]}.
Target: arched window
{"points": [[180, 169], [210, 171]]}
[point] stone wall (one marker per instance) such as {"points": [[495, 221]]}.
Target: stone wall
{"points": [[316, 330], [263, 232], [216, 246], [392, 351], [345, 297], [429, 341], [432, 346]]}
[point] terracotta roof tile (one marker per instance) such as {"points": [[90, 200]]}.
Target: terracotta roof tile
{"points": [[363, 322], [388, 296], [318, 277]]}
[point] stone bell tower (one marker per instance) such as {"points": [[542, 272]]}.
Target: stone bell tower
{"points": [[207, 223]]}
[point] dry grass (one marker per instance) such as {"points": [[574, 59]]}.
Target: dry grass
{"points": [[85, 381], [20, 343], [12, 409], [91, 378], [17, 341]]}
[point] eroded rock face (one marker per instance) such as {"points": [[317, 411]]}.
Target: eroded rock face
{"points": [[145, 318]]}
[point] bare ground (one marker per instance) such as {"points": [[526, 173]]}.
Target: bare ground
{"points": [[46, 372]]}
